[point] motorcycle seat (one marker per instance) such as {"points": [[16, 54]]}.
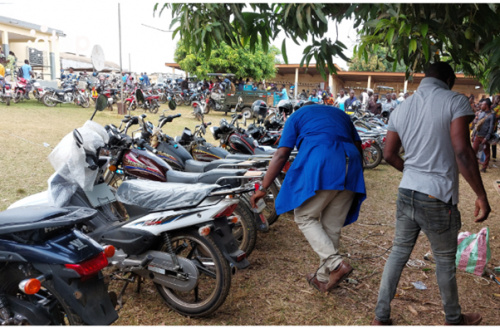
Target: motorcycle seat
{"points": [[35, 217], [264, 150], [156, 196], [199, 167], [207, 177]]}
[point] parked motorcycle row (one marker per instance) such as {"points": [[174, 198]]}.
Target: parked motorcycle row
{"points": [[128, 208]]}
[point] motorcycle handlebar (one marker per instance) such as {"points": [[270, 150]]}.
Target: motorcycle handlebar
{"points": [[143, 144]]}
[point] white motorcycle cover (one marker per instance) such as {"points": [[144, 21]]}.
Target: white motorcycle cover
{"points": [[68, 160], [155, 195]]}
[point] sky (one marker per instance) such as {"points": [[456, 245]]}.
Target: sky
{"points": [[145, 44]]}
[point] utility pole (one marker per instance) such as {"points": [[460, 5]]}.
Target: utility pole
{"points": [[120, 43]]}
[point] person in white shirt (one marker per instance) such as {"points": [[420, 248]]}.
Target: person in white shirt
{"points": [[339, 102]]}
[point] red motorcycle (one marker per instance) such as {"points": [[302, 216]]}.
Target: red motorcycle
{"points": [[21, 90]]}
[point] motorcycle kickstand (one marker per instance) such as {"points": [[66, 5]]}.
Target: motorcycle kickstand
{"points": [[119, 298]]}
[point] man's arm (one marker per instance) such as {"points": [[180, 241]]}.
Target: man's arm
{"points": [[467, 165], [277, 162], [391, 150]]}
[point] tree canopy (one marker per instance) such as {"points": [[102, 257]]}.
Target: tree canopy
{"points": [[414, 34], [240, 61], [376, 63]]}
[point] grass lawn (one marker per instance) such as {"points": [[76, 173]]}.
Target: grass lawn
{"points": [[273, 291]]}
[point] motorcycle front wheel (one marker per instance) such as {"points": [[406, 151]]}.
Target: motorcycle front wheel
{"points": [[59, 311], [214, 280], [47, 101], [17, 97]]}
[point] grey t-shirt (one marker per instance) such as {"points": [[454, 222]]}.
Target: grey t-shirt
{"points": [[423, 124]]}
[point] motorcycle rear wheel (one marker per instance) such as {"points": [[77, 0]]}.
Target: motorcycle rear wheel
{"points": [[59, 311], [154, 106], [372, 156], [270, 209], [245, 230], [214, 280]]}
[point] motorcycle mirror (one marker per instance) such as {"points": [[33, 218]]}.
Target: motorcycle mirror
{"points": [[100, 104], [172, 105], [78, 138], [139, 96]]}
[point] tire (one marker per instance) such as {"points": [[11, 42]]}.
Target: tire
{"points": [[187, 102], [270, 210], [178, 99], [154, 106], [163, 98], [47, 101], [59, 311], [214, 280], [130, 105], [245, 230], [85, 103], [17, 97], [372, 156], [247, 112]]}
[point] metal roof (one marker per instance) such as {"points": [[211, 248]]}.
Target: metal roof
{"points": [[29, 26]]}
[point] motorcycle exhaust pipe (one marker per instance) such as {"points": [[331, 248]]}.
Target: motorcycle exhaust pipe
{"points": [[55, 99]]}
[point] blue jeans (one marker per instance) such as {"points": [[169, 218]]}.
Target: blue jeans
{"points": [[440, 222]]}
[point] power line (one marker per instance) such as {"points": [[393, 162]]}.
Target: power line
{"points": [[155, 28]]}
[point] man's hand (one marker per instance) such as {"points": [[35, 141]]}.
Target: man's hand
{"points": [[482, 209], [255, 197]]}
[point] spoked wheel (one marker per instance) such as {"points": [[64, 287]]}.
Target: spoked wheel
{"points": [[154, 106], [372, 156], [163, 98], [47, 100], [270, 210], [245, 230], [214, 279], [59, 312], [17, 97], [130, 105]]}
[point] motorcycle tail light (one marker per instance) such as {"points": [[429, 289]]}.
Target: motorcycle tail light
{"points": [[227, 211], [7, 87], [30, 286], [109, 250], [90, 267], [195, 105], [205, 230], [383, 139]]}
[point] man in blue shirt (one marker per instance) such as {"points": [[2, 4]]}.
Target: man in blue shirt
{"points": [[27, 70], [145, 78], [348, 103], [324, 185], [284, 93]]}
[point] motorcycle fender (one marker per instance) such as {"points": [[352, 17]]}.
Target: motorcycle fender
{"points": [[89, 299], [224, 239]]}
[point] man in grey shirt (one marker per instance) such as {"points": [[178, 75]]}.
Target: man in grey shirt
{"points": [[432, 127]]}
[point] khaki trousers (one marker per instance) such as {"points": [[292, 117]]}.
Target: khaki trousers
{"points": [[320, 219]]}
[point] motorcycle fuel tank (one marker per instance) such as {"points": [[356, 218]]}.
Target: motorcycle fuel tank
{"points": [[141, 164]]}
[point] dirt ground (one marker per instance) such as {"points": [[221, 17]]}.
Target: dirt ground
{"points": [[274, 291]]}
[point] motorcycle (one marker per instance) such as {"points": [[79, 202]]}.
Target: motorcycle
{"points": [[70, 93], [20, 90], [6, 91], [176, 235], [50, 273], [147, 101]]}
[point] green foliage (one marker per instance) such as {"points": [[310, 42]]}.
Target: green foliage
{"points": [[376, 62], [415, 34], [223, 59]]}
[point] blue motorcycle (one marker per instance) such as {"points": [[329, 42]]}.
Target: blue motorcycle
{"points": [[50, 272]]}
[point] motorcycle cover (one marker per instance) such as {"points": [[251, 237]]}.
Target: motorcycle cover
{"points": [[68, 160], [154, 195]]}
